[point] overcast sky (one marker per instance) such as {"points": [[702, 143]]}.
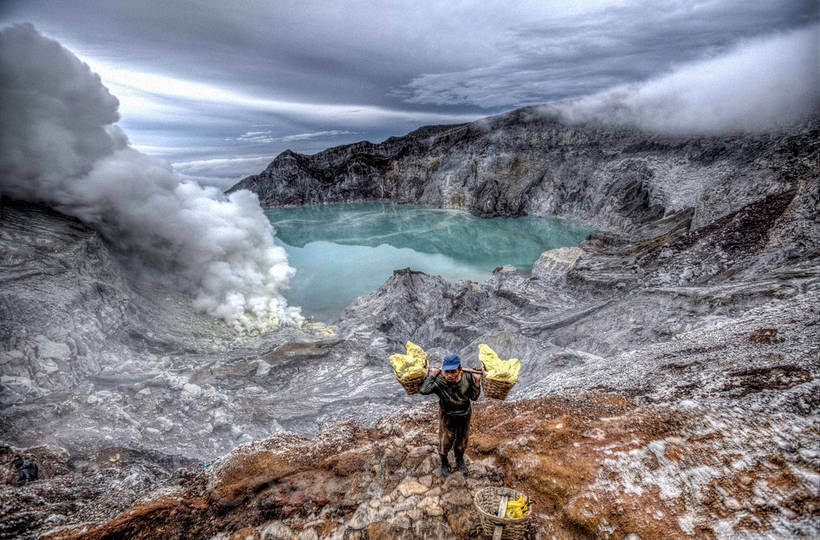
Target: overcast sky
{"points": [[219, 88]]}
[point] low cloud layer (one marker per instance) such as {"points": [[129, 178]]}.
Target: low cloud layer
{"points": [[195, 75], [761, 85], [267, 136], [59, 146], [221, 173], [554, 54]]}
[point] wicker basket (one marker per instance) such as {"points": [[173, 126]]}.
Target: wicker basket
{"points": [[411, 386], [486, 502], [495, 389]]}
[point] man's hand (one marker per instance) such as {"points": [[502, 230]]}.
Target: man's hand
{"points": [[477, 379], [435, 371]]}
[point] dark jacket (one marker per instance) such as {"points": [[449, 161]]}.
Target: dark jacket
{"points": [[453, 398]]}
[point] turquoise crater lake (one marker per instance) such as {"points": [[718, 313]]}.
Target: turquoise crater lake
{"points": [[341, 251]]}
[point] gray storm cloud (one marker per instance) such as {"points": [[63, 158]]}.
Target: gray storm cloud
{"points": [[59, 146], [762, 85]]}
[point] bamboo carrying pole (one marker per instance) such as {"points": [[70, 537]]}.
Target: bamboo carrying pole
{"points": [[468, 370], [502, 511]]}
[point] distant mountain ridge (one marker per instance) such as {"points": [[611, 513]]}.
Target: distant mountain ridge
{"points": [[528, 162]]}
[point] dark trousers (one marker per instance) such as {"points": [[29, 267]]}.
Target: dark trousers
{"points": [[453, 432]]}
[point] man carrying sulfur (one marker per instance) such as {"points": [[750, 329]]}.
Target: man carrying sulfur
{"points": [[454, 393]]}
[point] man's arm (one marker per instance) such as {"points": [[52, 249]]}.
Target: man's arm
{"points": [[428, 386], [475, 387]]}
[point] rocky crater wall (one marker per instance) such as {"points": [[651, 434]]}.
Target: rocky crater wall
{"points": [[528, 162]]}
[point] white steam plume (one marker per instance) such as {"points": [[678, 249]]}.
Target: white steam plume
{"points": [[762, 85], [59, 146]]}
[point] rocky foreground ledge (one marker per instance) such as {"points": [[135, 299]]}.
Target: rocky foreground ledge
{"points": [[597, 464]]}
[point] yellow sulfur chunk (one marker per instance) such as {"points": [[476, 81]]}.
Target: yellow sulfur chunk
{"points": [[517, 508], [497, 369], [410, 365]]}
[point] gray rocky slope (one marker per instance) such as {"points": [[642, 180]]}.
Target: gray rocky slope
{"points": [[693, 234], [698, 289]]}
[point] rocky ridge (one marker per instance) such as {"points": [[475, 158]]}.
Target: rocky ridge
{"points": [[678, 345], [529, 162]]}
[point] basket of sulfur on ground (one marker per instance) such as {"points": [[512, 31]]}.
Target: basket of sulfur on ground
{"points": [[504, 512], [499, 375], [410, 369]]}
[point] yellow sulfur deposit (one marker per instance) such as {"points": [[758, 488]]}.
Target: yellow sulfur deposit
{"points": [[518, 508], [497, 369], [410, 365]]}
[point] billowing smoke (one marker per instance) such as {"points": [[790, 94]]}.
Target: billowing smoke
{"points": [[763, 85], [59, 146]]}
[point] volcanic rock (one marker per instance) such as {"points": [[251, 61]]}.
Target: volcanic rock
{"points": [[669, 381]]}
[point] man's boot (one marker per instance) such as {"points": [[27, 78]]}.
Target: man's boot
{"points": [[445, 465], [461, 465]]}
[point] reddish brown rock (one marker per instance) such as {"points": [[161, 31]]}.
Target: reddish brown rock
{"points": [[598, 464]]}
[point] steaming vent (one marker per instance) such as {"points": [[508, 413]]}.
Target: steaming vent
{"points": [[60, 147]]}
